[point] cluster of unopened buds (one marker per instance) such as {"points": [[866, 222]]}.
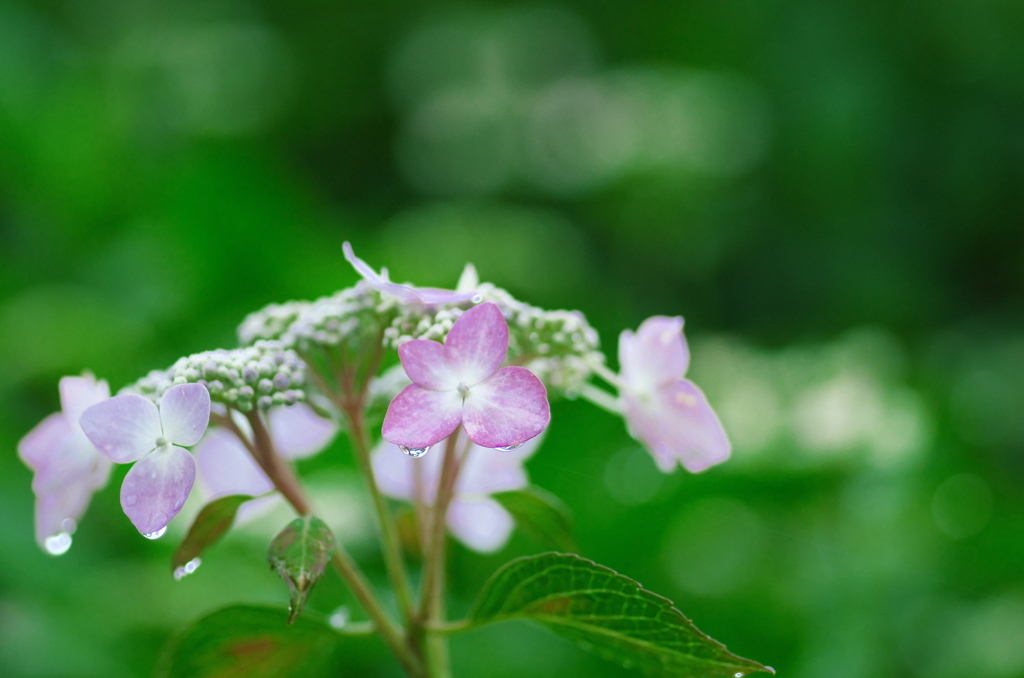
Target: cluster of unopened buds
{"points": [[475, 371]]}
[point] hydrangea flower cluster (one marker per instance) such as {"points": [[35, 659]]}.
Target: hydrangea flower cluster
{"points": [[476, 369]]}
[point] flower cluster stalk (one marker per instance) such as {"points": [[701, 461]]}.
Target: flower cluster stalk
{"points": [[262, 448]]}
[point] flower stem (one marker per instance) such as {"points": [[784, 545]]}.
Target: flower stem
{"points": [[600, 397], [285, 481], [385, 520], [601, 370], [432, 594]]}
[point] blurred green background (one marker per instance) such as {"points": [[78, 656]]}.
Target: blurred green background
{"points": [[829, 192]]}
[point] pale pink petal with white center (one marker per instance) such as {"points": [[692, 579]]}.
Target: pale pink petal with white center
{"points": [[156, 488], [298, 431], [678, 424], [426, 364], [477, 344], [481, 524], [123, 428], [419, 418], [35, 448], [225, 467], [655, 355], [185, 413], [508, 408], [77, 394]]}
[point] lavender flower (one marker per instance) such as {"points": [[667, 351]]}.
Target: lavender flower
{"points": [[130, 428], [68, 469]]}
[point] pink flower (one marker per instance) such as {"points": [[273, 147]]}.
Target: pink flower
{"points": [[664, 411], [67, 467], [226, 467], [474, 518], [407, 294], [131, 428], [461, 383]]}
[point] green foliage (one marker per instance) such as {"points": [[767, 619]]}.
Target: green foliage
{"points": [[212, 523], [249, 641], [542, 516], [608, 614], [299, 554]]}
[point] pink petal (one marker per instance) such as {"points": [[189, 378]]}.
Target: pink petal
{"points": [[185, 413], [124, 428], [36, 447], [79, 393], [655, 355], [481, 524], [488, 471], [60, 511], [477, 344], [298, 431], [157, 486], [677, 424], [225, 467], [418, 418], [508, 408], [426, 364]]}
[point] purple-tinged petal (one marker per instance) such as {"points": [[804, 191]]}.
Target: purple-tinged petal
{"points": [[481, 524], [507, 408], [36, 447], [298, 431], [71, 462], [407, 294], [426, 364], [59, 512], [225, 467], [156, 488], [487, 471], [477, 344], [185, 413], [655, 355], [77, 394], [419, 418], [677, 424], [123, 428]]}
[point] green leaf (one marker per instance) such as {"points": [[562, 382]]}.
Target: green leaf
{"points": [[606, 613], [210, 525], [299, 555], [542, 516], [252, 642]]}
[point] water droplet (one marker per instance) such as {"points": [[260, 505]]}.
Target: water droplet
{"points": [[68, 525], [477, 298], [739, 674], [414, 452], [58, 544], [339, 618], [187, 569], [155, 535], [509, 448]]}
